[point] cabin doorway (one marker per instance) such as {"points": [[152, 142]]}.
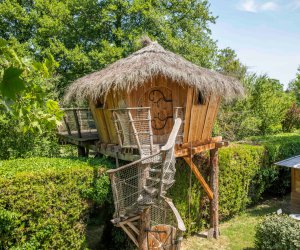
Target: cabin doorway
{"points": [[160, 101]]}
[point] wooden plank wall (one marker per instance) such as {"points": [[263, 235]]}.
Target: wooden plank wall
{"points": [[138, 97], [295, 195], [199, 119], [100, 121]]}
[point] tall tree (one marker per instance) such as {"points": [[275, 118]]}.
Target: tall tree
{"points": [[229, 64], [294, 86], [85, 35]]}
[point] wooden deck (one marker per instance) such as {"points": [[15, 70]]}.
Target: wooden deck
{"points": [[78, 128]]}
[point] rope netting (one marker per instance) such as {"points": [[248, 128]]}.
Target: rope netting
{"points": [[133, 126], [140, 184]]}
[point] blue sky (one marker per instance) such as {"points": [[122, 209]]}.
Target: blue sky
{"points": [[265, 34]]}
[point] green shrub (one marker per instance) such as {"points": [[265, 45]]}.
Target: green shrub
{"points": [[278, 232], [45, 203], [246, 173], [279, 147], [240, 183]]}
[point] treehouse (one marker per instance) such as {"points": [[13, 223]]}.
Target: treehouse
{"points": [[165, 83], [150, 108]]}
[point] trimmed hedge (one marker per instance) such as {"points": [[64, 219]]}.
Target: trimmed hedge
{"points": [[45, 203], [246, 173], [278, 232], [241, 182]]}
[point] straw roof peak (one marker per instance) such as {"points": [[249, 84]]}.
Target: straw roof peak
{"points": [[147, 63], [145, 41]]}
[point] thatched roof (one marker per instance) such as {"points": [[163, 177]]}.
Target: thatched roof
{"points": [[145, 64]]}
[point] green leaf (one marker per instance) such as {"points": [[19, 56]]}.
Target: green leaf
{"points": [[11, 83]]}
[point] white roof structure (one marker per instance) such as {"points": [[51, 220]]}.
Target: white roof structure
{"points": [[293, 162]]}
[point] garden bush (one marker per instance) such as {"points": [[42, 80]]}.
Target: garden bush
{"points": [[240, 184], [246, 174], [45, 203], [278, 147], [278, 232], [48, 202]]}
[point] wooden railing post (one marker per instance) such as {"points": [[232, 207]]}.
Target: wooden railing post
{"points": [[214, 203], [144, 228]]}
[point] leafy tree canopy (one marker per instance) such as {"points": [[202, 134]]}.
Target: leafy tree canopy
{"points": [[85, 35]]}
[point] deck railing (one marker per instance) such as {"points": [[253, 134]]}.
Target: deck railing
{"points": [[77, 122]]}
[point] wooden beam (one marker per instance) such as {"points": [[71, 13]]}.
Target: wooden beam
{"points": [[199, 177], [131, 236], [221, 144], [195, 150], [199, 142], [133, 227], [214, 203]]}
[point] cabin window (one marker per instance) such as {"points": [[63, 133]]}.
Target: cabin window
{"points": [[201, 100], [99, 104]]}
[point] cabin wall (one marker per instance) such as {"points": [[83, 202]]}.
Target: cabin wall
{"points": [[162, 96], [295, 195], [200, 118]]}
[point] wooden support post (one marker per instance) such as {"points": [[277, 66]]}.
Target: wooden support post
{"points": [[200, 178], [214, 203], [144, 228], [81, 151]]}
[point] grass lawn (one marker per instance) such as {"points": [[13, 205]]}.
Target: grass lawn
{"points": [[237, 233]]}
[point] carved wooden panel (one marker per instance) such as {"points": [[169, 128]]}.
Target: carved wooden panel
{"points": [[159, 99]]}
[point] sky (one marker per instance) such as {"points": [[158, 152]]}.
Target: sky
{"points": [[264, 34]]}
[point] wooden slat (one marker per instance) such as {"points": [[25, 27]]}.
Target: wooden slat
{"points": [[189, 103], [199, 114], [109, 119], [100, 123], [199, 177], [215, 115], [210, 116]]}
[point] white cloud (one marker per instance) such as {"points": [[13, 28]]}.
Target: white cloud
{"points": [[271, 6], [253, 6], [248, 5], [295, 4]]}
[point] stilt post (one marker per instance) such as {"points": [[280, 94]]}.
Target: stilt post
{"points": [[144, 228], [214, 185]]}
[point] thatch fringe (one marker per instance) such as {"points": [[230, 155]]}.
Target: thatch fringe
{"points": [[146, 64]]}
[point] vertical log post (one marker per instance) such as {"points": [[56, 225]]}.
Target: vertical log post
{"points": [[81, 151], [144, 228], [214, 203]]}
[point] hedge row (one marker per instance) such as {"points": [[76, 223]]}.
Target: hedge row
{"points": [[246, 173], [45, 203]]}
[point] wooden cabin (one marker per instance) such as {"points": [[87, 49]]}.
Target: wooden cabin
{"points": [[167, 83], [294, 164], [168, 87]]}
